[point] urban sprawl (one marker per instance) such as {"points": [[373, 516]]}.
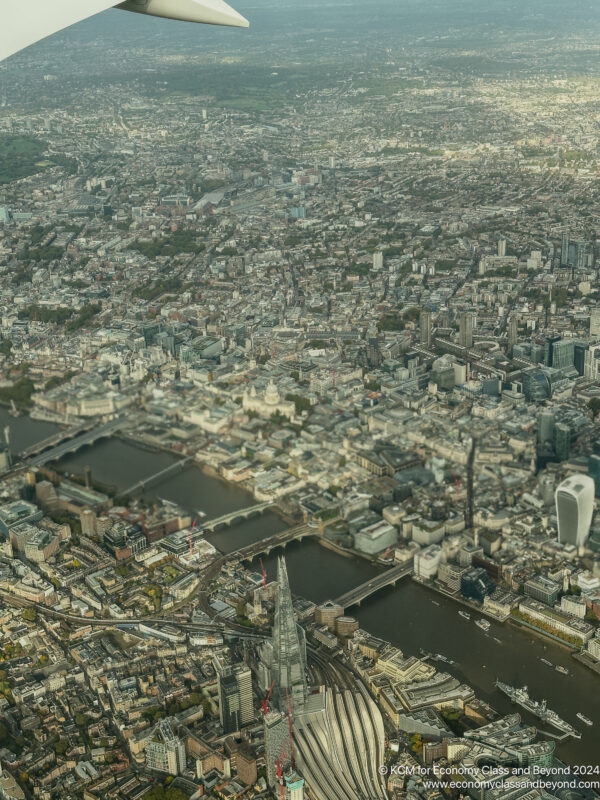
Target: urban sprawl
{"points": [[375, 306]]}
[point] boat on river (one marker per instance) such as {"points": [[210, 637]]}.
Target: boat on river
{"points": [[538, 709]]}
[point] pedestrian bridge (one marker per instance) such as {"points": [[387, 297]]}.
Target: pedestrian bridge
{"points": [[152, 480]]}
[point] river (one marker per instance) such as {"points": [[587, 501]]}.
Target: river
{"points": [[410, 616]]}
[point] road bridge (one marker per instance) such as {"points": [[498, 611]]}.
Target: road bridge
{"points": [[71, 445], [227, 626], [151, 480], [388, 578], [234, 516], [56, 439], [264, 546]]}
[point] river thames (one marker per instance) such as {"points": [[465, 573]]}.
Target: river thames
{"points": [[410, 616]]}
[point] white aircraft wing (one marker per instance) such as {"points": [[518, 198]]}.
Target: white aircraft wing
{"points": [[24, 22], [27, 21]]}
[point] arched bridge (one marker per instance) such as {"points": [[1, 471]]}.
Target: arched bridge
{"points": [[70, 443], [265, 546], [56, 439], [235, 516]]}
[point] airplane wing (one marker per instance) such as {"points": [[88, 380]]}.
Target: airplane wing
{"points": [[28, 21]]}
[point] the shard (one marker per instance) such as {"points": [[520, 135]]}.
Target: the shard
{"points": [[288, 660]]}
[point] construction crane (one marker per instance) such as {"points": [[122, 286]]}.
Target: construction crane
{"points": [[287, 694], [189, 538], [264, 573], [279, 767], [279, 763], [470, 462], [265, 703], [458, 483]]}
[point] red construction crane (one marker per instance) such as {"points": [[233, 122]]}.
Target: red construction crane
{"points": [[264, 573], [287, 694], [279, 764], [458, 482], [189, 538], [279, 771], [265, 703]]}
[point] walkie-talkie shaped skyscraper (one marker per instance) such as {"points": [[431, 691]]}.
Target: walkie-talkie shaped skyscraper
{"points": [[288, 666]]}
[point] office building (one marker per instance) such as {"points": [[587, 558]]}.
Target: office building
{"points": [[236, 706], [545, 430], [165, 752], [88, 522], [536, 385], [243, 677], [563, 353], [562, 441], [427, 562], [549, 345], [542, 589], [327, 613], [574, 509], [491, 387], [375, 538], [476, 584], [594, 472], [573, 605], [289, 649], [426, 328], [513, 330], [17, 513], [442, 374], [595, 322], [564, 250], [229, 709], [591, 368], [580, 349], [465, 330]]}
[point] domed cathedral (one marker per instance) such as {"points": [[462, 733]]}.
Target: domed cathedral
{"points": [[268, 404]]}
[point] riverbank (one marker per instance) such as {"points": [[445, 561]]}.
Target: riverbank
{"points": [[205, 468], [335, 548], [407, 616], [587, 661], [543, 634], [571, 648], [458, 599]]}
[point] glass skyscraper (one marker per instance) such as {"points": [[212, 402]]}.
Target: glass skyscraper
{"points": [[574, 509], [288, 663]]}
